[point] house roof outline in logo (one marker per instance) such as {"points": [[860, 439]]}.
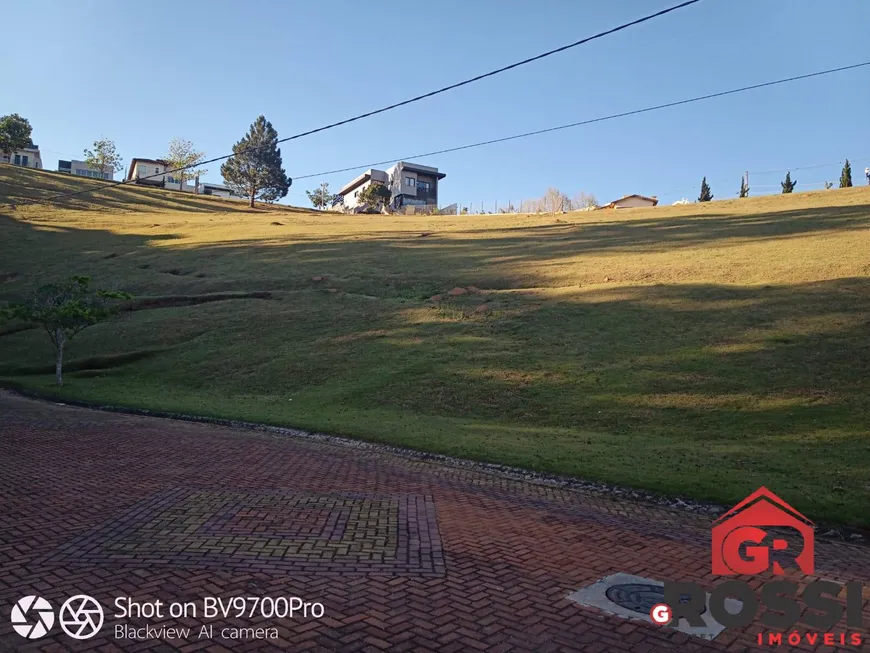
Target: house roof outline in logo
{"points": [[762, 509]]}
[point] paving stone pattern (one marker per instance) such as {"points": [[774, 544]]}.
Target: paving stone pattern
{"points": [[405, 554]]}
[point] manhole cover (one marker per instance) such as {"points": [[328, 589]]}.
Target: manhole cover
{"points": [[639, 597], [632, 597]]}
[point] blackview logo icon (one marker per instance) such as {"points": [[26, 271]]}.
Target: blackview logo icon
{"points": [[744, 524], [32, 617], [81, 617]]}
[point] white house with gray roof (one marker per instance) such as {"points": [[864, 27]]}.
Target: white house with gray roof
{"points": [[411, 184]]}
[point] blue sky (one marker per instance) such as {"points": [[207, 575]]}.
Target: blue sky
{"points": [[205, 69]]}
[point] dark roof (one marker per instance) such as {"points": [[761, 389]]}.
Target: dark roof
{"points": [[160, 162], [354, 183], [423, 171]]}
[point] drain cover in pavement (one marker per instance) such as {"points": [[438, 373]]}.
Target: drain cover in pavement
{"points": [[638, 597], [633, 597]]}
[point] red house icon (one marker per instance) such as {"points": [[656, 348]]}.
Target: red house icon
{"points": [[745, 524]]}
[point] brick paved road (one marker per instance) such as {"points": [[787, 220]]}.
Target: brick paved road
{"points": [[405, 555]]}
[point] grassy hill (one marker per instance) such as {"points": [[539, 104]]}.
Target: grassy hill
{"points": [[700, 350]]}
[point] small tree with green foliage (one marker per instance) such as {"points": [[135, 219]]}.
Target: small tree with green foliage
{"points": [[788, 185], [255, 170], [63, 310], [320, 197], [14, 133], [375, 196], [846, 175], [705, 195], [104, 157], [184, 162], [744, 188]]}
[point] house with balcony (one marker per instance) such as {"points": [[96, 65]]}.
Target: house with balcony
{"points": [[410, 184], [27, 157], [153, 172], [82, 169]]}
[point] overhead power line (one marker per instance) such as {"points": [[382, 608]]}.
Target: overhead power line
{"points": [[417, 98], [612, 116], [811, 167]]}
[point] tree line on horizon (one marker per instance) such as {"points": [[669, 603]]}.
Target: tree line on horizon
{"points": [[254, 170], [788, 184]]}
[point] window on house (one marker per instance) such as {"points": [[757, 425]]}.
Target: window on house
{"points": [[423, 185], [24, 160], [156, 170], [410, 181], [18, 159]]}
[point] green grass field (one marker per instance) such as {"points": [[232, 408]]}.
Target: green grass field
{"points": [[698, 350]]}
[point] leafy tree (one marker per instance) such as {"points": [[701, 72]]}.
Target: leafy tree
{"points": [[705, 195], [846, 175], [255, 169], [184, 161], [744, 187], [14, 133], [788, 185], [104, 157], [64, 309], [320, 197], [374, 196]]}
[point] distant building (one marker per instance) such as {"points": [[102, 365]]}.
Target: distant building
{"points": [[218, 190], [410, 184], [632, 202], [27, 157], [82, 169], [152, 172]]}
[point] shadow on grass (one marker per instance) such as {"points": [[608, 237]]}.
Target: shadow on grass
{"points": [[89, 364], [18, 185], [700, 388]]}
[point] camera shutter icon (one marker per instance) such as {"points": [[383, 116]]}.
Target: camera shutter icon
{"points": [[32, 617]]}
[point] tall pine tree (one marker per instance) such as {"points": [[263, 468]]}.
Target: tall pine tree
{"points": [[744, 187], [705, 195], [788, 185], [255, 170], [846, 176]]}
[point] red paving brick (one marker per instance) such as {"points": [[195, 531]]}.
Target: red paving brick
{"points": [[404, 554]]}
